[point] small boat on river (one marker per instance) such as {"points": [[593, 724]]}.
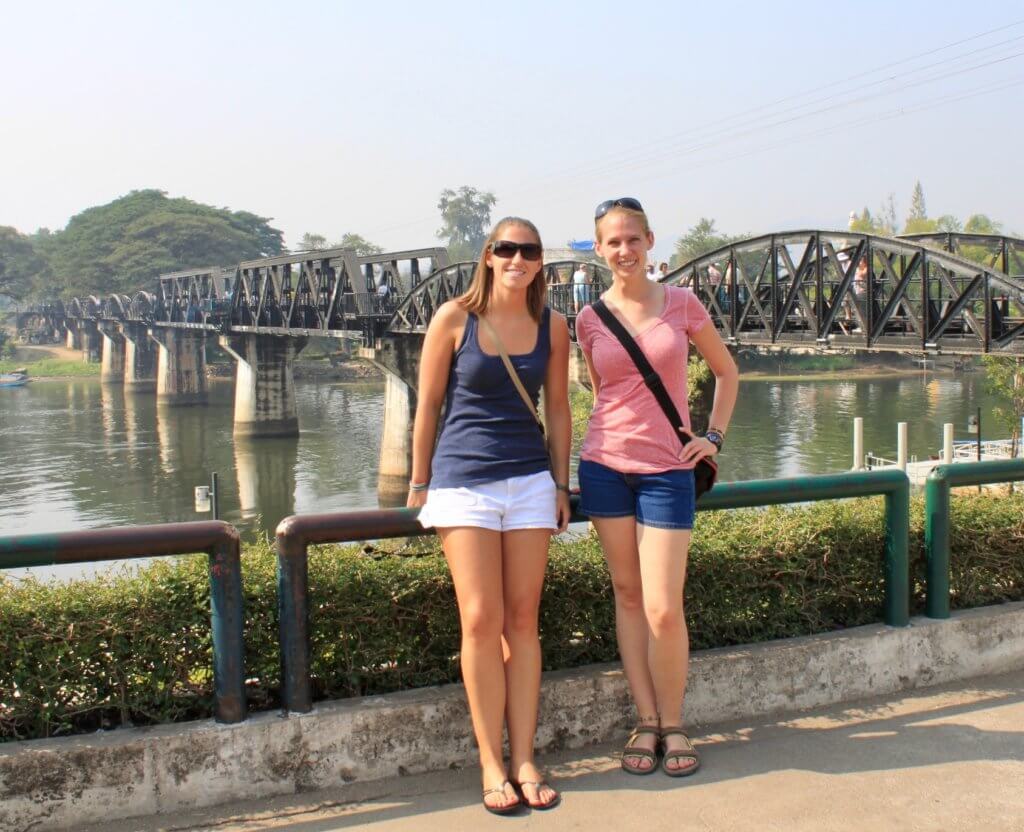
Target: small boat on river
{"points": [[16, 378]]}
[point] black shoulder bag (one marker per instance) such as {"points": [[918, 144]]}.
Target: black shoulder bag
{"points": [[706, 470]]}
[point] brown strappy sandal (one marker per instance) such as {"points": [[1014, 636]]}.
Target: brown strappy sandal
{"points": [[686, 753], [631, 750]]}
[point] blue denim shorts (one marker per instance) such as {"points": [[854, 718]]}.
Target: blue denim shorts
{"points": [[666, 500]]}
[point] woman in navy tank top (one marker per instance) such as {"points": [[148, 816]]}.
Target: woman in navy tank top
{"points": [[493, 494]]}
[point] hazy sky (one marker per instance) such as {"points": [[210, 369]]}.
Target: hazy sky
{"points": [[338, 117]]}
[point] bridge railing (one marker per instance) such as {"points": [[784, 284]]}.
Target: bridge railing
{"points": [[217, 539], [937, 520], [370, 303], [296, 533], [570, 299]]}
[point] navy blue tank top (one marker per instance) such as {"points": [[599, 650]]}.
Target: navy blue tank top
{"points": [[488, 433]]}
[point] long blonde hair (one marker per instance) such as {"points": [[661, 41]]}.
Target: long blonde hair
{"points": [[478, 295]]}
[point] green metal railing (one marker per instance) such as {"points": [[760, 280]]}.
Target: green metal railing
{"points": [[295, 534], [218, 540], [937, 520]]}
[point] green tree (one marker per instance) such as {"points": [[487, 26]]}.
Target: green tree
{"points": [[466, 218], [917, 219], [947, 222], [921, 226], [312, 242], [885, 220], [882, 223], [359, 244], [700, 239], [863, 223], [981, 224], [124, 245], [21, 267], [266, 239], [917, 206], [1004, 377]]}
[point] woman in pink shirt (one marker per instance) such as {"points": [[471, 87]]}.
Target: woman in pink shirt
{"points": [[636, 477]]}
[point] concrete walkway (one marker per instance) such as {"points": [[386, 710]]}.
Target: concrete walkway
{"points": [[944, 758]]}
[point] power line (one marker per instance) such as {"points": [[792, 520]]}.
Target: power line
{"points": [[605, 164], [601, 163], [715, 140], [897, 112]]}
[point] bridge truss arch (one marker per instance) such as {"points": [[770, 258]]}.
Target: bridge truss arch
{"points": [[116, 307], [416, 311], [803, 288], [142, 307], [997, 251], [86, 307]]}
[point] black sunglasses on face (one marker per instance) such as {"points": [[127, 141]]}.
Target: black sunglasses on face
{"points": [[621, 202], [507, 250]]}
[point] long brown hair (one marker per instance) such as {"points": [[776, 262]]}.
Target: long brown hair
{"points": [[478, 295]]}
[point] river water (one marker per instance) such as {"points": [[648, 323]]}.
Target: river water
{"points": [[77, 454]]}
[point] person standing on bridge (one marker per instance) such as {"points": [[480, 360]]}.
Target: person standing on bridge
{"points": [[636, 477], [492, 492], [580, 288]]}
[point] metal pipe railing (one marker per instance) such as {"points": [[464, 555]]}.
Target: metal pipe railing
{"points": [[216, 539], [296, 533], [937, 520]]}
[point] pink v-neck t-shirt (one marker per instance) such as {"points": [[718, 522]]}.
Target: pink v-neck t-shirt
{"points": [[628, 430]]}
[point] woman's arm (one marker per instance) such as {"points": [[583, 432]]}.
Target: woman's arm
{"points": [[727, 382], [556, 412], [595, 379], [435, 364]]}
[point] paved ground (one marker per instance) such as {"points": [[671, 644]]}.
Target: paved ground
{"points": [[948, 758], [36, 352]]}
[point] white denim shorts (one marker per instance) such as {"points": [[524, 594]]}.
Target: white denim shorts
{"points": [[526, 502]]}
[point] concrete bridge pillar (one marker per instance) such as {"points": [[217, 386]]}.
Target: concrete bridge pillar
{"points": [[264, 384], [139, 359], [72, 340], [113, 352], [91, 341], [399, 357], [181, 366], [396, 441]]}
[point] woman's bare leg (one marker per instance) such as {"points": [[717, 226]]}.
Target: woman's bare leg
{"points": [[618, 537], [525, 557], [663, 554], [474, 557]]}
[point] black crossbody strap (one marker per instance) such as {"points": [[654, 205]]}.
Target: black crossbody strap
{"points": [[649, 374]]}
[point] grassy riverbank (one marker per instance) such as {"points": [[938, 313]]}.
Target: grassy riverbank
{"points": [[135, 648], [53, 368]]}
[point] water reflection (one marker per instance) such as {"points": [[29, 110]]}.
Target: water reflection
{"points": [[792, 427], [75, 455], [265, 470]]}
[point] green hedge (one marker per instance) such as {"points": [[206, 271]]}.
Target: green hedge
{"points": [[134, 648]]}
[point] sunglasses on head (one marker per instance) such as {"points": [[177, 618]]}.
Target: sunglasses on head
{"points": [[507, 249], [621, 202]]}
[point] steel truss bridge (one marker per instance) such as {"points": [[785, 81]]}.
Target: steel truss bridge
{"points": [[329, 293], [946, 292]]}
